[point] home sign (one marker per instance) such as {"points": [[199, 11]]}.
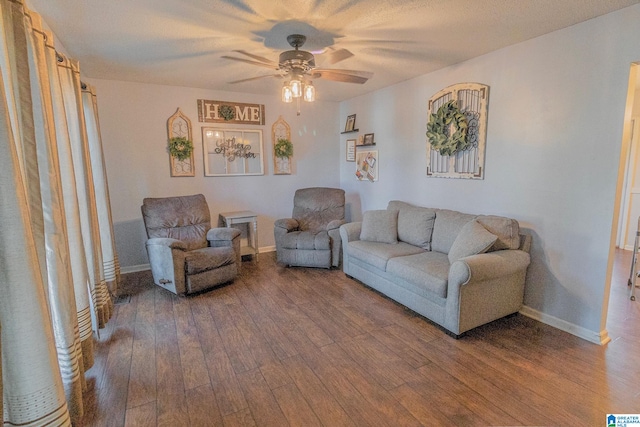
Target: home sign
{"points": [[230, 112]]}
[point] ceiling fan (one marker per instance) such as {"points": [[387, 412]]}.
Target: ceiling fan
{"points": [[300, 64]]}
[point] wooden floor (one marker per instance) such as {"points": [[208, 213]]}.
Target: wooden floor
{"points": [[311, 347]]}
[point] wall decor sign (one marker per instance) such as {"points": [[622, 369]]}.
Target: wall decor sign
{"points": [[229, 152], [280, 132], [367, 165], [457, 131], [351, 150], [230, 112], [179, 131]]}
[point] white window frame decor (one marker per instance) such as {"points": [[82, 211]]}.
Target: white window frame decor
{"points": [[472, 99], [179, 126], [232, 152]]}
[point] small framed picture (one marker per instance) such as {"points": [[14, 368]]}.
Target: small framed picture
{"points": [[351, 150], [368, 139], [351, 123], [360, 140]]}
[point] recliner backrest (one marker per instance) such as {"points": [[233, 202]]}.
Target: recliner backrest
{"points": [[316, 207], [184, 218]]}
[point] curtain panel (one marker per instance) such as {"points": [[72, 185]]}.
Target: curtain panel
{"points": [[58, 266]]}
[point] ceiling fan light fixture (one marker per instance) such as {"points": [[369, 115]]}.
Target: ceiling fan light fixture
{"points": [[309, 92], [287, 95], [296, 87]]}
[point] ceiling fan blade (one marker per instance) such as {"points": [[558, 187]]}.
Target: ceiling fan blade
{"points": [[335, 56], [248, 61], [257, 58], [255, 78], [345, 76]]}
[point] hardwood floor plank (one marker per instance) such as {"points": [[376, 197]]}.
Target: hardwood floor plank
{"points": [[202, 407], [142, 416], [172, 406], [415, 404], [262, 403], [142, 378], [239, 419], [194, 367], [295, 407], [229, 396]]}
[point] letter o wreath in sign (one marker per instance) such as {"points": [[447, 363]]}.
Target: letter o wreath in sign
{"points": [[447, 130]]}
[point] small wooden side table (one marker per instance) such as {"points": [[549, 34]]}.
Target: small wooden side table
{"points": [[250, 218]]}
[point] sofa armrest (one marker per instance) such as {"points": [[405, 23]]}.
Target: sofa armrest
{"points": [[336, 223], [224, 234], [480, 267], [350, 231], [168, 242], [288, 224]]}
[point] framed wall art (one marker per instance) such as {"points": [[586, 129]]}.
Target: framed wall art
{"points": [[282, 145], [229, 152], [367, 165], [368, 139], [350, 126], [351, 150], [180, 139]]}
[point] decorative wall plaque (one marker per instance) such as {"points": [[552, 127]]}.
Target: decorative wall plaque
{"points": [[230, 112], [281, 130], [232, 152], [471, 99], [179, 125]]}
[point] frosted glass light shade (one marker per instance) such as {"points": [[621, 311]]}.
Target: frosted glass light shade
{"points": [[296, 87], [309, 92], [287, 95]]}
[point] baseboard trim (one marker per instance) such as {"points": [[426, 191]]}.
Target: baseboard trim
{"points": [[600, 338], [135, 268], [628, 248]]}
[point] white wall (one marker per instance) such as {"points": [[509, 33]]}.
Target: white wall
{"points": [[556, 109], [133, 121]]}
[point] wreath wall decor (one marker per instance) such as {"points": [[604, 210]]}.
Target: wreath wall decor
{"points": [[283, 148], [457, 130], [180, 147], [447, 130], [227, 112]]}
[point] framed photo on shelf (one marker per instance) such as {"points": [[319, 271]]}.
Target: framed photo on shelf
{"points": [[351, 150], [368, 139], [367, 166], [351, 123]]}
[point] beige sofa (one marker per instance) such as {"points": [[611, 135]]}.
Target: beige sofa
{"points": [[458, 270]]}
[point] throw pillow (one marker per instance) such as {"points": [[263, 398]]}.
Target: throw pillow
{"points": [[380, 226], [473, 239]]}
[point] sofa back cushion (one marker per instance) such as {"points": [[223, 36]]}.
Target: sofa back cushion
{"points": [[507, 230], [415, 223], [380, 226], [446, 228]]}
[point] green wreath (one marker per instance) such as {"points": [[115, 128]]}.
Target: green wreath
{"points": [[180, 147], [283, 148], [440, 130], [227, 112]]}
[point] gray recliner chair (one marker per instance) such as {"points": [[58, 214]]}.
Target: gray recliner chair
{"points": [[185, 253], [311, 238]]}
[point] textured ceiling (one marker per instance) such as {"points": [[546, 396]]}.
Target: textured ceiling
{"points": [[180, 42]]}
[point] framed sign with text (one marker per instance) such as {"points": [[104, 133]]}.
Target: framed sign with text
{"points": [[230, 112], [229, 152]]}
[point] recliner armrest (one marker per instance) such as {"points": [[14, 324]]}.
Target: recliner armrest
{"points": [[288, 224], [220, 233], [336, 223], [167, 241]]}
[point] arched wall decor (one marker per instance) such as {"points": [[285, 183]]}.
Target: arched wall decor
{"points": [[473, 100], [281, 130], [179, 125]]}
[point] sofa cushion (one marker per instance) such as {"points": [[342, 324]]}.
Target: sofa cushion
{"points": [[204, 259], [415, 223], [507, 230], [306, 240], [446, 228], [377, 254], [473, 239], [380, 226], [427, 272]]}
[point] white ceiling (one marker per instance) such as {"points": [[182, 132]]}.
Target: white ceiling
{"points": [[180, 42]]}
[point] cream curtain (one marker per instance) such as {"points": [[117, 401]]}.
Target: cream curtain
{"points": [[53, 266]]}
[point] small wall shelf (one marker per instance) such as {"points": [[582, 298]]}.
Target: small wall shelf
{"points": [[350, 131]]}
